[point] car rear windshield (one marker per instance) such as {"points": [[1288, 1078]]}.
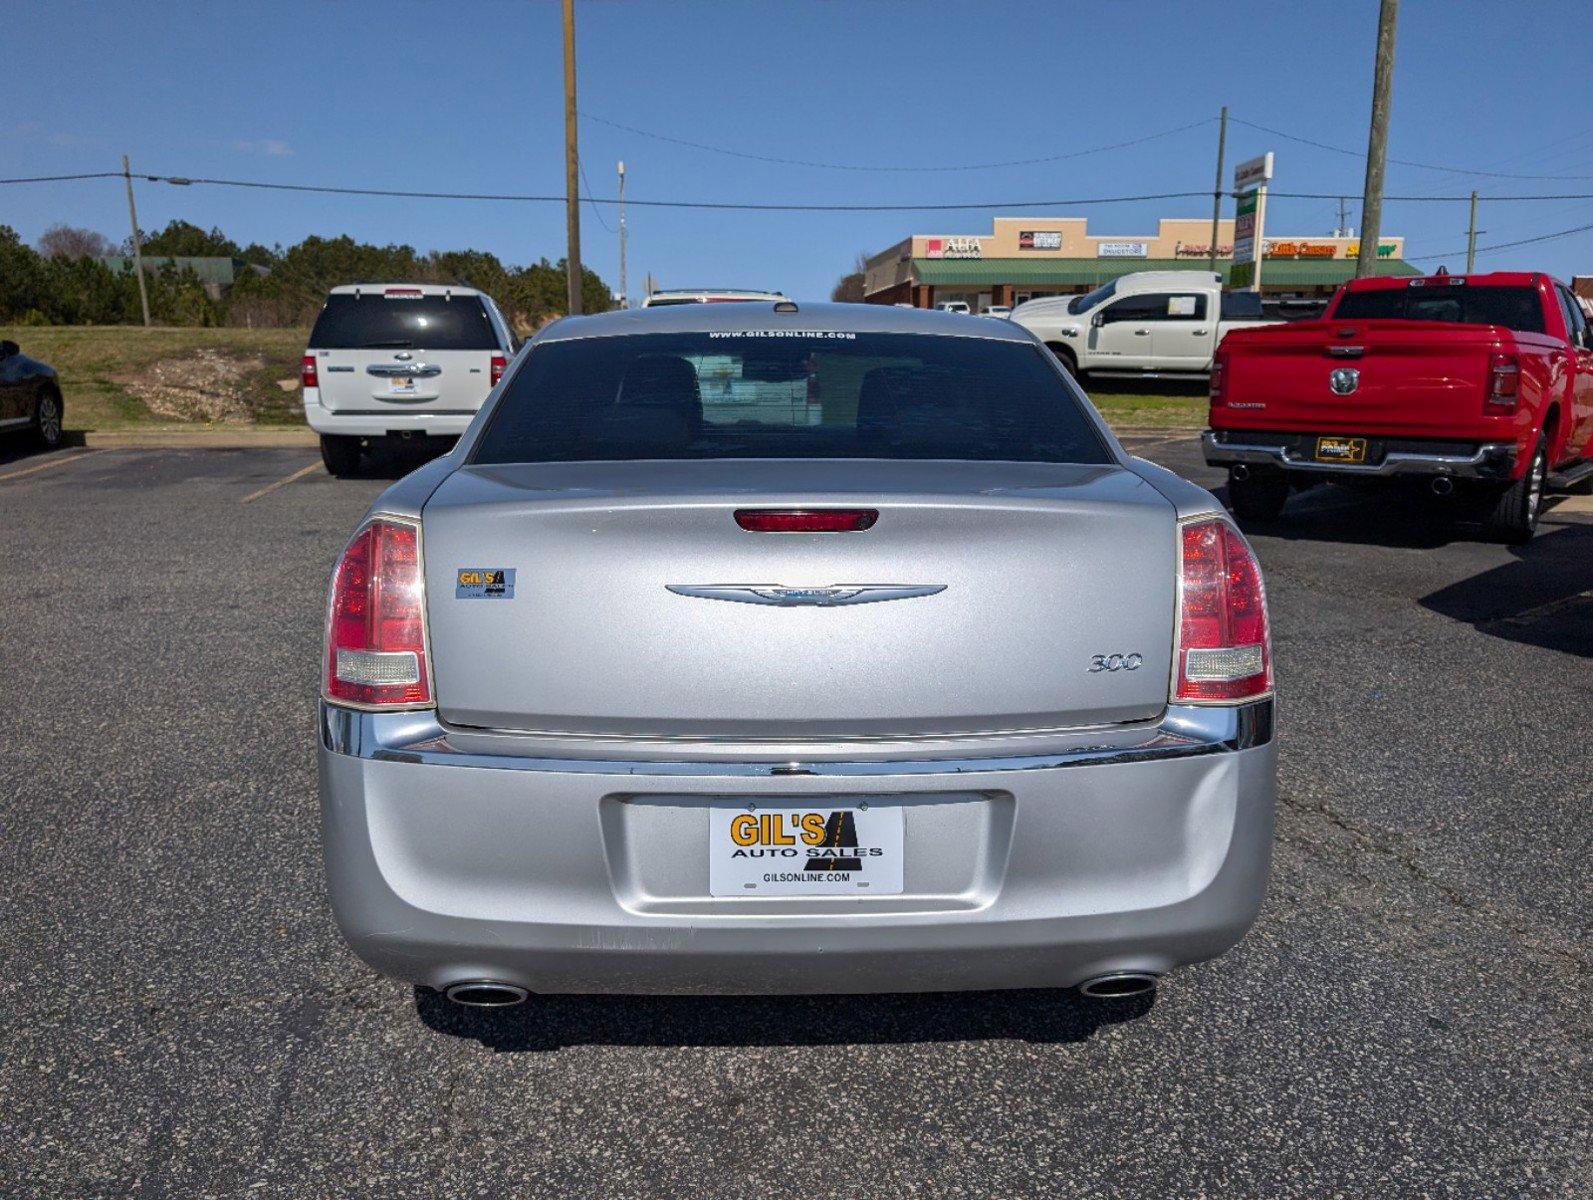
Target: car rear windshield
{"points": [[1515, 308], [787, 393], [375, 322]]}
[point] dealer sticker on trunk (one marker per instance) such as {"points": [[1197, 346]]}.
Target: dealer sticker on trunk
{"points": [[484, 583], [817, 849]]}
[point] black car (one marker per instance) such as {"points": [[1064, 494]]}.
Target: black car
{"points": [[30, 397]]}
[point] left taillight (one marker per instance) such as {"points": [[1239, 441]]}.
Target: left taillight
{"points": [[500, 364], [307, 372], [1504, 383], [376, 621], [1224, 651]]}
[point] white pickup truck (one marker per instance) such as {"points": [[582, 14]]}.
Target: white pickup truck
{"points": [[1151, 324]]}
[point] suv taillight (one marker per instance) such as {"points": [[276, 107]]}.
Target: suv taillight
{"points": [[376, 620], [500, 364], [1224, 652], [1504, 383], [307, 372], [1217, 366]]}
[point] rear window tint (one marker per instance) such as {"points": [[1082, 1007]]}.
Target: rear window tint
{"points": [[784, 393], [350, 322], [1515, 308]]}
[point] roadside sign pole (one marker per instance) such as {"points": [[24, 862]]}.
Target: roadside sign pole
{"points": [[1377, 140], [572, 169], [1216, 190], [138, 246], [1250, 179]]}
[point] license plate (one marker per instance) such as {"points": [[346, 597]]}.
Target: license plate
{"points": [[1341, 449], [401, 384], [818, 849]]}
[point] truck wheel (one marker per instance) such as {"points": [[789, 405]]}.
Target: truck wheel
{"points": [[1064, 355], [340, 454], [1512, 515], [1257, 495], [47, 420]]}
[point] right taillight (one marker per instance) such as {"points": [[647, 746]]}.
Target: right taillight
{"points": [[307, 372], [1504, 383], [376, 621], [1224, 651]]}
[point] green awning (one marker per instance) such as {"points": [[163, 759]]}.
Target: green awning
{"points": [[1072, 272]]}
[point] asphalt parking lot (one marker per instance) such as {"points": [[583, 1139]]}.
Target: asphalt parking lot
{"points": [[179, 1017]]}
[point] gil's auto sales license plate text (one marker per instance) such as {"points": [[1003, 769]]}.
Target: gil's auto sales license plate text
{"points": [[815, 849]]}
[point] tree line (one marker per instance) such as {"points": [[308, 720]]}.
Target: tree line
{"points": [[63, 280]]}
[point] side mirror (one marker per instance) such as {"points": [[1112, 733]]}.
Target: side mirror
{"points": [[8, 348], [1098, 320]]}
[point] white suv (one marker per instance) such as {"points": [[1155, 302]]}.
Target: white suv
{"points": [[400, 360]]}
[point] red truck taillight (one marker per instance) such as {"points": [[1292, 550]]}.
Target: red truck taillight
{"points": [[1504, 383], [500, 364], [1217, 373], [1224, 649], [307, 372], [376, 620]]}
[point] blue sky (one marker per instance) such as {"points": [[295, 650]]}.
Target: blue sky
{"points": [[462, 96]]}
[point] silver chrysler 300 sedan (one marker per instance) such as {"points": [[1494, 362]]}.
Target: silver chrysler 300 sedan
{"points": [[780, 648]]}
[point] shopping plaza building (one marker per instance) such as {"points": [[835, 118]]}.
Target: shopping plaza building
{"points": [[1024, 257]]}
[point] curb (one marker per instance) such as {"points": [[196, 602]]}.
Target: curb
{"points": [[196, 439]]}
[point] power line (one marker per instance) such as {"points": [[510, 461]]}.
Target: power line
{"points": [[596, 211], [1404, 162], [1542, 237], [62, 178], [828, 166]]}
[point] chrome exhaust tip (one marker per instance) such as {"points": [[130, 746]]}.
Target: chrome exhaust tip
{"points": [[486, 993], [1240, 471], [1119, 984], [1442, 485]]}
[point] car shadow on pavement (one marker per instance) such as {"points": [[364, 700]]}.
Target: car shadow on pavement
{"points": [[20, 448], [1335, 513], [1544, 598], [549, 1022]]}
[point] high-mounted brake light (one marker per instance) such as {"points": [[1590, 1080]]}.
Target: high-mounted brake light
{"points": [[1504, 383], [806, 520], [499, 365], [403, 293], [307, 372], [376, 621], [1224, 649]]}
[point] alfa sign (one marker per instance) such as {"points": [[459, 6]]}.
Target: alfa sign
{"points": [[953, 247]]}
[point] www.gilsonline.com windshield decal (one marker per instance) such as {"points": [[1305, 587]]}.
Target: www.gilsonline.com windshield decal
{"points": [[833, 334]]}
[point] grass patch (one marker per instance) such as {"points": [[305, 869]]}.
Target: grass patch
{"points": [[111, 375], [1164, 404]]}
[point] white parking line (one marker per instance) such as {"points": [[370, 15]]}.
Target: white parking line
{"points": [[271, 487], [1133, 442], [45, 466]]}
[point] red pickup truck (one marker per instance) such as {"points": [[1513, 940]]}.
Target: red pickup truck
{"points": [[1480, 386]]}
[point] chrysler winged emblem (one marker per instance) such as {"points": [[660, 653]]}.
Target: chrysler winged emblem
{"points": [[1344, 380], [832, 596]]}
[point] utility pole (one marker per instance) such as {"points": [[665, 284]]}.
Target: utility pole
{"points": [[572, 168], [1377, 140], [625, 296], [1344, 218], [138, 246], [1471, 235], [1216, 191]]}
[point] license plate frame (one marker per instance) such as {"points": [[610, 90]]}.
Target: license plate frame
{"points": [[401, 385], [823, 847], [1340, 450]]}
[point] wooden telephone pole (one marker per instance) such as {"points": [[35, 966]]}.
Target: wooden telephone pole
{"points": [[1377, 140], [572, 168], [1216, 191], [138, 246]]}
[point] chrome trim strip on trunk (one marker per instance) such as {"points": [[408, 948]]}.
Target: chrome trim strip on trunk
{"points": [[1184, 731], [1396, 462], [404, 370]]}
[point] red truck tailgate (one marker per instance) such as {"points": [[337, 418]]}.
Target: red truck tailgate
{"points": [[1405, 378]]}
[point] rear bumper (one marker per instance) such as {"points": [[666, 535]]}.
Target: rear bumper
{"points": [[1486, 461], [381, 422], [1143, 848]]}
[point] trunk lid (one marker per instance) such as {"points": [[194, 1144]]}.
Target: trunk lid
{"points": [[1411, 378], [1044, 567]]}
